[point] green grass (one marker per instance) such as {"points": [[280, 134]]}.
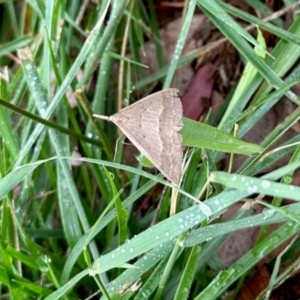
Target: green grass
{"points": [[71, 232]]}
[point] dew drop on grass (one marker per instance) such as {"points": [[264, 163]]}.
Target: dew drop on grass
{"points": [[268, 214], [250, 224], [293, 97], [252, 189], [265, 184], [217, 202], [233, 178], [261, 252], [145, 294], [205, 209]]}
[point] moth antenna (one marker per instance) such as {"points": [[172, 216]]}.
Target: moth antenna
{"points": [[101, 117]]}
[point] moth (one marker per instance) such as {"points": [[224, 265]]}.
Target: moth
{"points": [[152, 124]]}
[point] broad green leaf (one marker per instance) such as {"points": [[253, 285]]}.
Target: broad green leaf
{"points": [[201, 135]]}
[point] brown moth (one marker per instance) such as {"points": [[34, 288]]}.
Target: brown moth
{"points": [[152, 125]]}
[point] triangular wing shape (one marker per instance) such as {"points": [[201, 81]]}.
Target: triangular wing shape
{"points": [[152, 125]]}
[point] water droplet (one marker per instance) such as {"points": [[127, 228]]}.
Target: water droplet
{"points": [[265, 184], [205, 209], [268, 214], [252, 189]]}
